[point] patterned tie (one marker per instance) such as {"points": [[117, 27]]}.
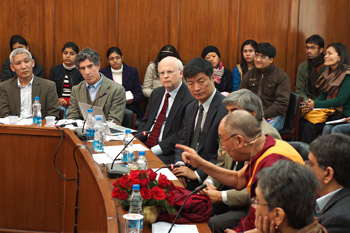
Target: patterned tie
{"points": [[153, 137], [197, 131]]}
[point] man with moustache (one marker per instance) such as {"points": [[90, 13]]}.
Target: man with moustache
{"points": [[165, 110], [240, 135], [270, 83], [311, 68], [17, 94], [112, 99], [200, 123]]}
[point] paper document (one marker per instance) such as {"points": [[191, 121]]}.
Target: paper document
{"points": [[166, 172], [335, 121], [103, 158], [161, 227]]}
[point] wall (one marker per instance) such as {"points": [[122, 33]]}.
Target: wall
{"points": [[141, 27]]}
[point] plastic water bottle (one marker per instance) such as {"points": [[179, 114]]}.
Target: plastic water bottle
{"points": [[36, 111], [136, 203], [99, 139], [128, 138], [90, 126], [142, 162]]}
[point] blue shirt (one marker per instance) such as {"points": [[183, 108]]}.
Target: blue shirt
{"points": [[93, 89]]}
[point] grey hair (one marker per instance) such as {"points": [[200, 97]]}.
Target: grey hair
{"points": [[174, 60], [19, 51], [87, 53], [292, 187], [243, 121], [246, 99]]}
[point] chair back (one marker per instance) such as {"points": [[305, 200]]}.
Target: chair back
{"points": [[129, 119], [302, 148], [291, 124]]}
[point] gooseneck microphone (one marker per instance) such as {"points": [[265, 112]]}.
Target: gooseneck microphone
{"points": [[199, 188], [171, 166], [92, 105], [112, 173]]}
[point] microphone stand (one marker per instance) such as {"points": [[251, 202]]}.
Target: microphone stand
{"points": [[112, 171]]}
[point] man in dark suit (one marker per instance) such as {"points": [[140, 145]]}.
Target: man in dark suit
{"points": [[201, 120], [17, 94], [329, 159], [111, 94], [170, 74]]}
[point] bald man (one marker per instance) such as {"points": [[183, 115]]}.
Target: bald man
{"points": [[173, 97]]}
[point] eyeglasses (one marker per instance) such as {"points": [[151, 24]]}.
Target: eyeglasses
{"points": [[256, 56], [254, 202], [114, 58], [311, 164], [168, 72], [310, 48], [220, 141]]}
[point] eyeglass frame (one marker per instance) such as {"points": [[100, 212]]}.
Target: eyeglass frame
{"points": [[220, 141], [256, 56], [309, 163], [254, 202]]}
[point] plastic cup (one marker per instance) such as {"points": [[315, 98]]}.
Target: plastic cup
{"points": [[13, 120], [50, 121], [132, 222]]}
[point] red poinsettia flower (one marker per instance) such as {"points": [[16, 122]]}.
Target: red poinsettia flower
{"points": [[163, 182], [146, 193], [151, 174], [170, 198], [123, 195], [115, 192], [134, 175], [135, 181], [144, 182], [158, 193], [123, 183]]}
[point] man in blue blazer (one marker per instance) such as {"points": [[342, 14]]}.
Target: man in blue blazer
{"points": [[201, 120], [329, 159], [171, 73]]}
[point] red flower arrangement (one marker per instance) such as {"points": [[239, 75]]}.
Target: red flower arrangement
{"points": [[155, 193]]}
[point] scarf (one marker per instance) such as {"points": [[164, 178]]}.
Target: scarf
{"points": [[329, 82], [218, 72], [313, 72]]}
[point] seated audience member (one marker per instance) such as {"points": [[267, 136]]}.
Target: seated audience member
{"points": [[247, 63], [165, 110], [285, 200], [222, 76], [111, 94], [240, 135], [311, 68], [343, 128], [17, 94], [270, 83], [230, 205], [18, 41], [199, 127], [334, 85], [125, 75], [151, 80], [66, 75], [329, 159]]}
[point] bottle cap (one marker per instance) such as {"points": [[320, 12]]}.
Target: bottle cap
{"points": [[141, 153], [90, 110], [36, 98], [127, 131], [136, 187], [98, 117]]}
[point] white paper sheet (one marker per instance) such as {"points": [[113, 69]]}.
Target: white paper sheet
{"points": [[166, 172], [335, 121], [161, 227]]}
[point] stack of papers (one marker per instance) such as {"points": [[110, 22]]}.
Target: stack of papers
{"points": [[161, 227]]}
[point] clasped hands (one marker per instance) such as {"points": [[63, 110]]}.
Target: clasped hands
{"points": [[307, 105]]}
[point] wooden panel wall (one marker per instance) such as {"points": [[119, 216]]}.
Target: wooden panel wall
{"points": [[141, 27]]}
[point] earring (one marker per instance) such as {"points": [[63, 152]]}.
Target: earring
{"points": [[276, 228]]}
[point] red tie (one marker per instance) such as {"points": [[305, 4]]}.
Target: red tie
{"points": [[153, 137]]}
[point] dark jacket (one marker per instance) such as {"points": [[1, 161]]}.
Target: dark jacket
{"points": [[7, 73], [57, 74], [226, 82], [130, 82], [272, 86]]}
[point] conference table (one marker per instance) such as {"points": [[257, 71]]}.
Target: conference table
{"points": [[34, 198]]}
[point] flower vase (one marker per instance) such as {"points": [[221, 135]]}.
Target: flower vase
{"points": [[150, 215]]}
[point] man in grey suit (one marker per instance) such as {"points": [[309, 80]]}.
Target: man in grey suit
{"points": [[329, 159], [17, 94], [170, 71], [108, 95], [201, 120], [230, 205]]}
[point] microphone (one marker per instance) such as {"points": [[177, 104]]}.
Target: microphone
{"points": [[199, 188], [118, 170], [64, 125], [81, 134]]}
